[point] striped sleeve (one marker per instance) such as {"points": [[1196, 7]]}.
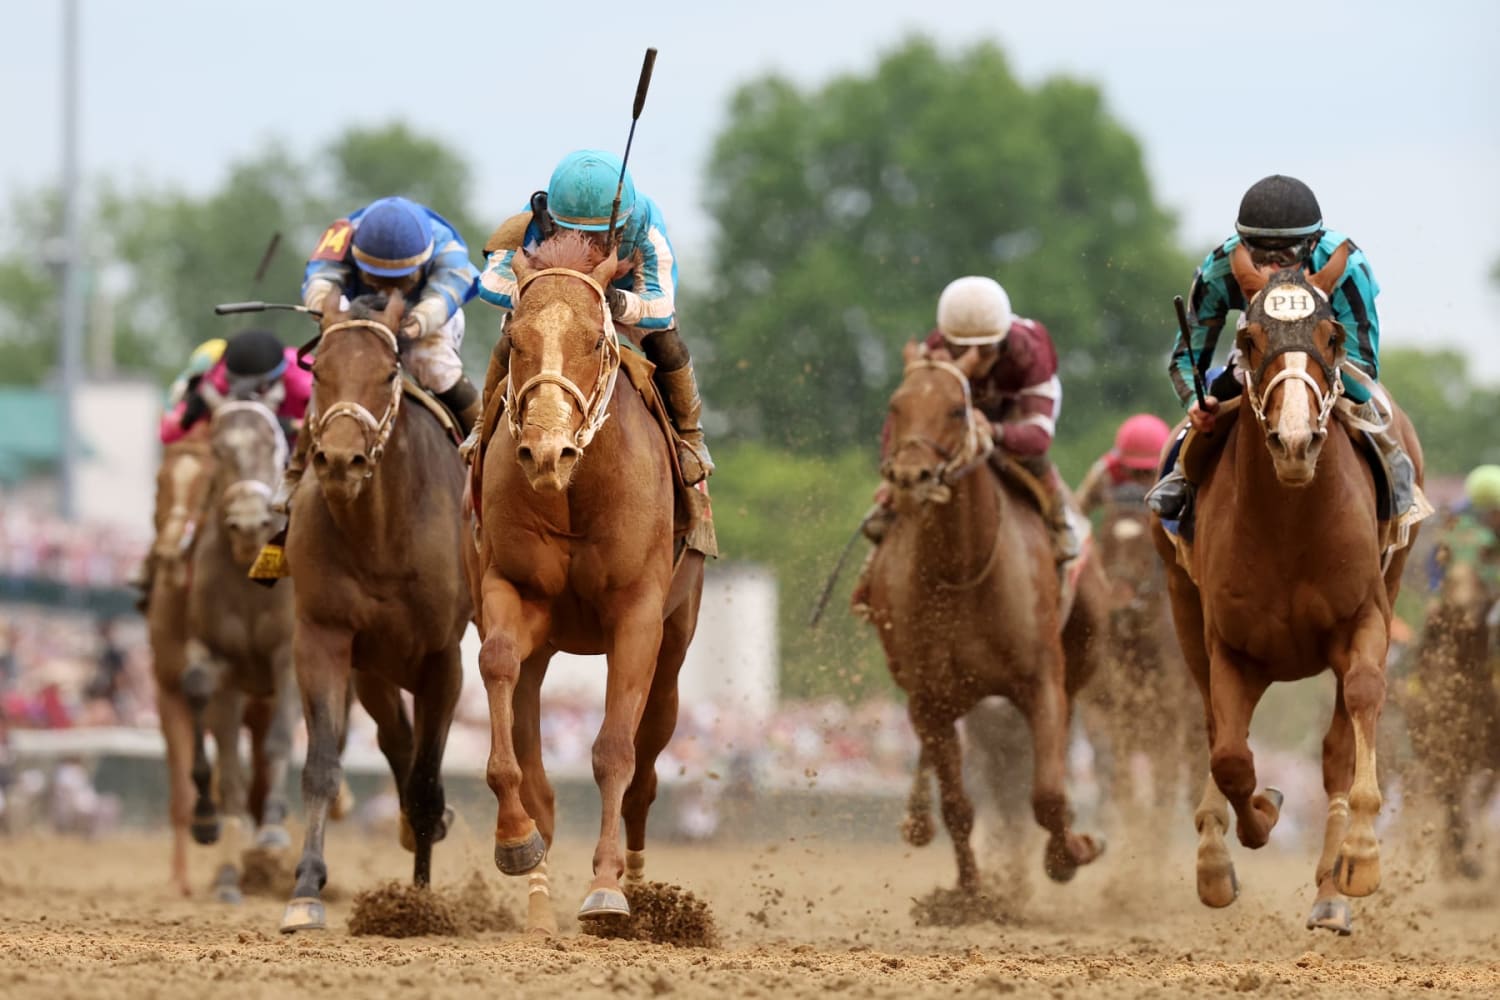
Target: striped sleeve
{"points": [[650, 303], [1353, 304], [497, 285], [1212, 295]]}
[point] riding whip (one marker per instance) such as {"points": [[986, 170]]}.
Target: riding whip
{"points": [[1187, 343], [640, 102], [838, 568]]}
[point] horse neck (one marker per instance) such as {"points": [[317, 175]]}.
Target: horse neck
{"points": [[966, 528], [376, 515]]}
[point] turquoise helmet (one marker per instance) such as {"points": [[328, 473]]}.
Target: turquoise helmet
{"points": [[582, 191]]}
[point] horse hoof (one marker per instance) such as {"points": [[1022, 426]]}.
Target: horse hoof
{"points": [[604, 903], [1275, 798], [918, 831], [304, 914], [1218, 888], [518, 857], [205, 830], [1356, 876], [1331, 915], [273, 838], [409, 836], [230, 895]]}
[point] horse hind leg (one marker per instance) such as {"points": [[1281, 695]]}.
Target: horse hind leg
{"points": [[1356, 869], [274, 756], [428, 816], [917, 829]]}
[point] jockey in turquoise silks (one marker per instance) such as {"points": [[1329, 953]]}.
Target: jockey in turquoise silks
{"points": [[1281, 224], [580, 196]]}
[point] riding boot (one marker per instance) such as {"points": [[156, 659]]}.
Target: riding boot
{"points": [[1067, 533], [1169, 498], [679, 391], [462, 400], [1406, 496]]}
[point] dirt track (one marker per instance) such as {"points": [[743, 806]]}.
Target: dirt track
{"points": [[797, 919]]}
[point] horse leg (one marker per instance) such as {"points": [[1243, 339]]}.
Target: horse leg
{"points": [[536, 791], [427, 815], [1356, 870], [513, 630], [1233, 697], [257, 721], [941, 748], [636, 633], [393, 734], [323, 658], [276, 752], [225, 714], [1331, 910], [917, 829], [1045, 706], [177, 731], [1217, 884], [199, 681]]}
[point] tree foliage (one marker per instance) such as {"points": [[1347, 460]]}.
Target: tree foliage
{"points": [[843, 211]]}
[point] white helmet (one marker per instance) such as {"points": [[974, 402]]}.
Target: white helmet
{"points": [[974, 310]]}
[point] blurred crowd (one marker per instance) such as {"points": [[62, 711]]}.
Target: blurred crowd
{"points": [[37, 545]]}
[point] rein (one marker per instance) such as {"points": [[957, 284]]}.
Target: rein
{"points": [[595, 405], [377, 431]]}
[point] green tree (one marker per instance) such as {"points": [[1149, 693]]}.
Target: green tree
{"points": [[1454, 415], [841, 213], [28, 296]]}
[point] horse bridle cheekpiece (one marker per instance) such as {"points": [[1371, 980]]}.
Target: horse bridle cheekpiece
{"points": [[278, 455], [976, 447], [595, 405], [1290, 309], [377, 431]]}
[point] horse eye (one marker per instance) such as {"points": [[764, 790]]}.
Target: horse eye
{"points": [[392, 376], [958, 412]]}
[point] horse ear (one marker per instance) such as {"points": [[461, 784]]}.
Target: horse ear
{"points": [[330, 307], [520, 266], [604, 272], [626, 266], [1333, 271], [395, 309], [912, 352], [1251, 279]]}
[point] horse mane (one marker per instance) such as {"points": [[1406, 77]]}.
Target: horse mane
{"points": [[370, 305], [567, 248]]}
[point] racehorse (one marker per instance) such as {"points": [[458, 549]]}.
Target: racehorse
{"points": [[965, 597], [182, 485], [578, 554], [374, 547], [239, 644], [1284, 580]]}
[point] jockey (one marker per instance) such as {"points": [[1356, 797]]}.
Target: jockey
{"points": [[1472, 532], [1128, 470], [396, 244], [1281, 225], [251, 365], [580, 196]]}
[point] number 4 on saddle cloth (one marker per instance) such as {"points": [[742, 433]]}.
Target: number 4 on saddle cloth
{"points": [[1195, 454]]}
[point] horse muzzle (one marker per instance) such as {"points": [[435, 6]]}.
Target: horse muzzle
{"points": [[342, 471], [1295, 455], [548, 458]]}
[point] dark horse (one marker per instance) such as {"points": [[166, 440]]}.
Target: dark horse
{"points": [[577, 554], [965, 597], [1285, 580], [375, 548]]}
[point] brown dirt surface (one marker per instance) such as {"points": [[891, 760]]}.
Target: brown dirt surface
{"points": [[662, 914], [800, 918]]}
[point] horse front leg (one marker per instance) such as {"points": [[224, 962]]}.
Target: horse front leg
{"points": [[225, 714], [917, 829], [941, 749], [177, 731], [323, 658], [426, 808], [1356, 869], [276, 753], [1330, 910], [1046, 710], [514, 628], [1233, 696], [200, 679], [536, 791], [636, 635]]}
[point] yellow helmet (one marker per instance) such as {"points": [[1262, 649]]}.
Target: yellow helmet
{"points": [[1482, 487], [206, 355]]}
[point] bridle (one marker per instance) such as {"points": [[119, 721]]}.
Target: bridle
{"points": [[595, 405], [1332, 373], [953, 464], [255, 487], [377, 432]]}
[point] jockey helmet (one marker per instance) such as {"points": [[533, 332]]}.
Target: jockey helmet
{"points": [[581, 192], [1140, 440], [253, 359], [1482, 487], [205, 356], [392, 239], [974, 310], [1278, 210]]}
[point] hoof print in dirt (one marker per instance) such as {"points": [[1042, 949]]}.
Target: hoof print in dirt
{"points": [[958, 908], [399, 910], [662, 914]]}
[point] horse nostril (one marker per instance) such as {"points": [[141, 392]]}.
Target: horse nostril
{"points": [[320, 459], [358, 461], [568, 454], [923, 475], [1274, 439], [523, 453]]}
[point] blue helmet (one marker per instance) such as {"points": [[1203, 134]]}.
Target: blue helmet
{"points": [[392, 239], [582, 191]]}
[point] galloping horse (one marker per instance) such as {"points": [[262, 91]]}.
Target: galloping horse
{"points": [[239, 651], [182, 483], [374, 546], [965, 596], [577, 554], [1285, 580]]}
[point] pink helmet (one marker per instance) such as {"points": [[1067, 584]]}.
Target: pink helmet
{"points": [[1140, 440]]}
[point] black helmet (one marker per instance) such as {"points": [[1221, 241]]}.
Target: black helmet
{"points": [[1277, 209], [253, 354]]}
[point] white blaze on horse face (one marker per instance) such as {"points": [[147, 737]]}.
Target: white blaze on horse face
{"points": [[1294, 419], [550, 408]]}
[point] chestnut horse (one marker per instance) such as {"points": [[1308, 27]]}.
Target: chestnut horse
{"points": [[182, 484], [239, 650], [965, 596], [1285, 580], [375, 548], [577, 555]]}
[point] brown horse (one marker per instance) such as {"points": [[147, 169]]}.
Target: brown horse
{"points": [[374, 546], [1284, 581], [182, 485], [577, 554], [239, 651], [1452, 704], [965, 596]]}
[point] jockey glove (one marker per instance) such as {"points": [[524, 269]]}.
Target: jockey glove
{"points": [[617, 304]]}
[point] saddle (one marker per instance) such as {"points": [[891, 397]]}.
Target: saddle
{"points": [[693, 523]]}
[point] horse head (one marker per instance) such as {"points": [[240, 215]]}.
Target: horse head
{"points": [[1292, 350], [565, 355], [250, 451], [936, 435], [1128, 555], [357, 377], [182, 485]]}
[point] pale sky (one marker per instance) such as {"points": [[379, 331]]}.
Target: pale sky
{"points": [[1386, 108]]}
